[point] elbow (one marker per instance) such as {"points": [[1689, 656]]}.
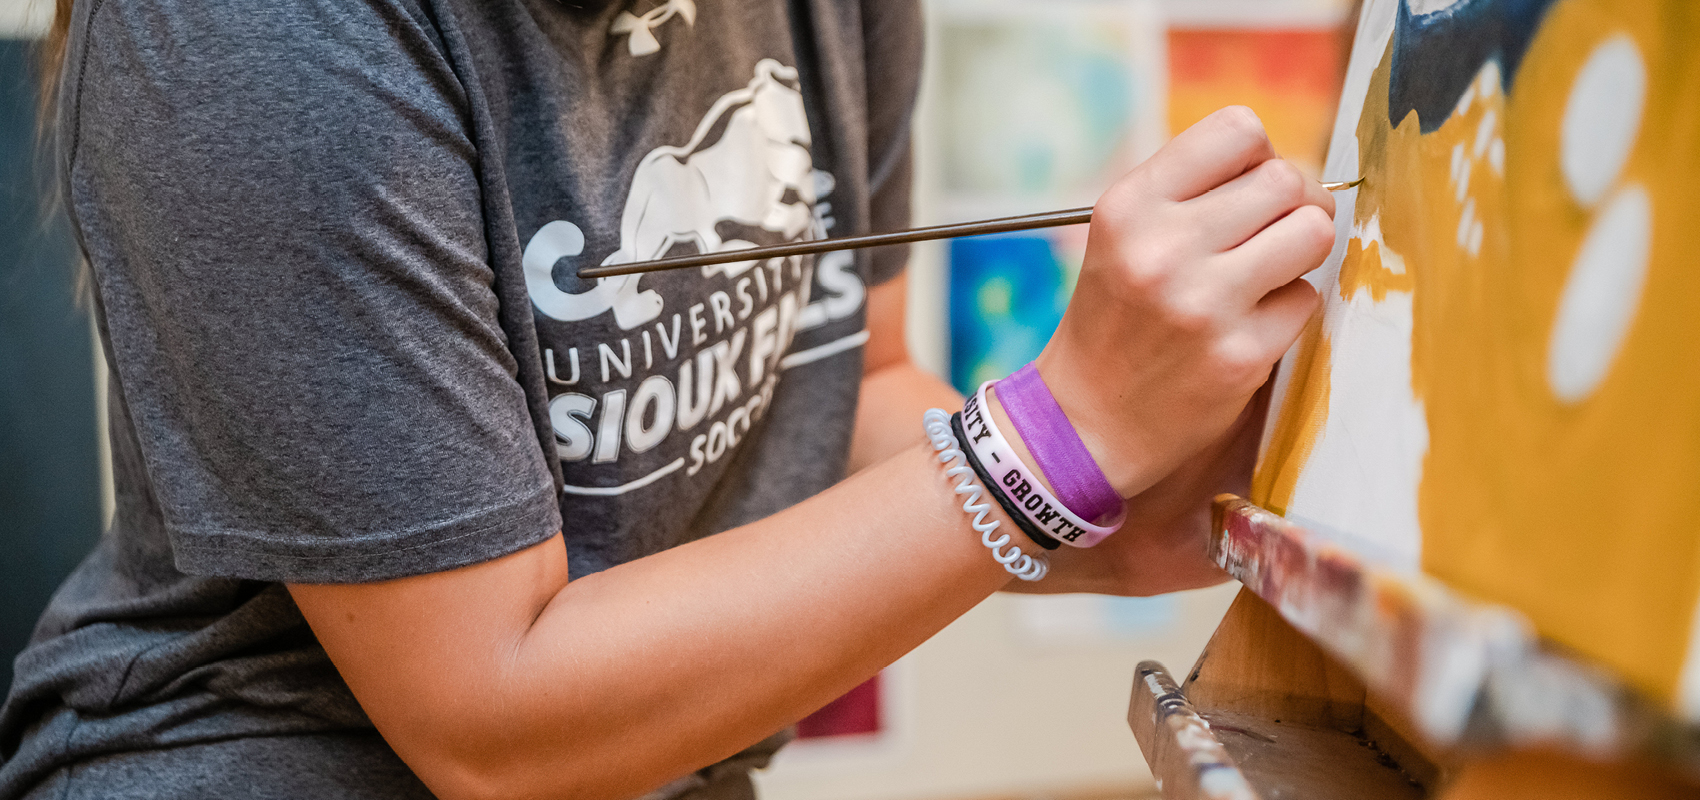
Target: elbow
{"points": [[469, 764], [464, 781], [482, 766], [452, 777]]}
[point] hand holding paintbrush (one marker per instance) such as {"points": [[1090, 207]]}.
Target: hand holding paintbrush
{"points": [[1189, 292], [1026, 222]]}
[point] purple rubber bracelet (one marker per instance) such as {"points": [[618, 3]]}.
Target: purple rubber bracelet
{"points": [[1052, 440]]}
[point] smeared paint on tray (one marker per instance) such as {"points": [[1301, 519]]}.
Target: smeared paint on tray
{"points": [[1179, 744], [1466, 673]]}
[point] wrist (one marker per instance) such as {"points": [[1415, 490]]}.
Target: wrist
{"points": [[1051, 519], [997, 531], [1013, 436], [1118, 448]]}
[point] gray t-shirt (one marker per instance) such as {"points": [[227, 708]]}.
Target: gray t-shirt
{"points": [[334, 246]]}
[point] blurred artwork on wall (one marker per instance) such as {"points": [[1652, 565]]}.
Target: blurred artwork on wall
{"points": [[1007, 297], [1038, 106], [1290, 75], [1083, 619], [1046, 100], [857, 713]]}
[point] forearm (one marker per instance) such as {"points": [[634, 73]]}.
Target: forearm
{"points": [[894, 392], [628, 678], [892, 400], [757, 628]]}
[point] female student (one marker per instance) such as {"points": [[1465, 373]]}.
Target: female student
{"points": [[404, 507]]}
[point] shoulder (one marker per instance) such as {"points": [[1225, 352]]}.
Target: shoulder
{"points": [[251, 92], [188, 33], [258, 62]]}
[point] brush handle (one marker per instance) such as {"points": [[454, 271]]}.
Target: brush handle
{"points": [[1051, 219]]}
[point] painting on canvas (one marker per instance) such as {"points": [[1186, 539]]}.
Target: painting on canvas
{"points": [[1503, 387]]}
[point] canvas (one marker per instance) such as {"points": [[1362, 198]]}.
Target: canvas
{"points": [[1502, 388]]}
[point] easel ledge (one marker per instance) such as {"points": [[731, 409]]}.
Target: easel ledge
{"points": [[1330, 677]]}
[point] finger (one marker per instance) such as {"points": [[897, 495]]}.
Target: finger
{"points": [[1282, 315], [1241, 208], [1282, 252], [1218, 149]]}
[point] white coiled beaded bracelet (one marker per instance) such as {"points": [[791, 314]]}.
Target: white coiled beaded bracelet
{"points": [[1019, 564]]}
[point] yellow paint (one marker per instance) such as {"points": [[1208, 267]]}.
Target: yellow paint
{"points": [[1579, 515], [1362, 270], [1304, 408]]}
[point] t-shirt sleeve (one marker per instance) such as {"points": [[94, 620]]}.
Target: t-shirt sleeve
{"points": [[281, 204], [892, 37]]}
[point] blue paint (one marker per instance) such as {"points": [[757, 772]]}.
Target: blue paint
{"points": [[1437, 55]]}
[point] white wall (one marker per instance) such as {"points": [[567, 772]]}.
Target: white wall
{"points": [[1206, 13], [993, 713], [24, 19]]}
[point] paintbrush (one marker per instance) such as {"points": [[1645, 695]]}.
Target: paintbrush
{"points": [[1049, 219]]}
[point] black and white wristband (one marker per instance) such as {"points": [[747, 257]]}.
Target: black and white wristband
{"points": [[1016, 514]]}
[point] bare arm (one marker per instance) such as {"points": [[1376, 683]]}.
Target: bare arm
{"points": [[895, 391], [502, 679]]}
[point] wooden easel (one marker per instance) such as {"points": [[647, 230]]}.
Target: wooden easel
{"points": [[1331, 679]]}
